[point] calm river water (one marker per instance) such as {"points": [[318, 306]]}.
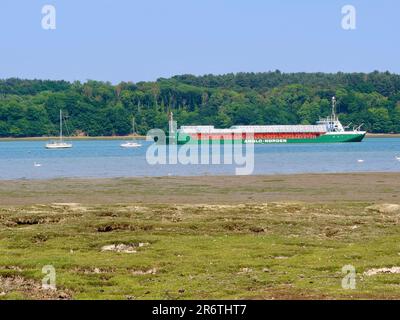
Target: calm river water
{"points": [[105, 158]]}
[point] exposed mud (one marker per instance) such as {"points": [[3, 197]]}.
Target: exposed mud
{"points": [[144, 272], [224, 190], [29, 289], [375, 271], [124, 248], [385, 208]]}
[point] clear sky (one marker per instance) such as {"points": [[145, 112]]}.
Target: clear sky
{"points": [[132, 40]]}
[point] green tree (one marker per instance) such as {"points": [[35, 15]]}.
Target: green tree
{"points": [[379, 119]]}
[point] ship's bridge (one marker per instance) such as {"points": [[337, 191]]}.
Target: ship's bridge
{"points": [[332, 124]]}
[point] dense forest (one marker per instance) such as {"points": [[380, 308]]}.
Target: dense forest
{"points": [[93, 108]]}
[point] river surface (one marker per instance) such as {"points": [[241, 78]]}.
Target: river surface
{"points": [[105, 159]]}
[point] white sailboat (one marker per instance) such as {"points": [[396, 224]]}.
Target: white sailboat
{"points": [[133, 143], [60, 144]]}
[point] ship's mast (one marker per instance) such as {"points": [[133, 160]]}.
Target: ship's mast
{"points": [[171, 129], [171, 120], [333, 108]]}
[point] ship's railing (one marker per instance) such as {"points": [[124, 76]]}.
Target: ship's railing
{"points": [[203, 130], [262, 129], [199, 128], [267, 129], [283, 128]]}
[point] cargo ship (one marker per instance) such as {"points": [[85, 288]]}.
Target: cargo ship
{"points": [[326, 130]]}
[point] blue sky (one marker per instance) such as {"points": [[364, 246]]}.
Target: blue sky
{"points": [[131, 40]]}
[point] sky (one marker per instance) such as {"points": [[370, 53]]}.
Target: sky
{"points": [[132, 40]]}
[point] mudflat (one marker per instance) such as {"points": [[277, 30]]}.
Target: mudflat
{"points": [[376, 187], [256, 237]]}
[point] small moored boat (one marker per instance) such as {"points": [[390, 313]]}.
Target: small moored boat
{"points": [[133, 143], [60, 144]]}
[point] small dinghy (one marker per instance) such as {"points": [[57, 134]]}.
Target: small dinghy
{"points": [[130, 145]]}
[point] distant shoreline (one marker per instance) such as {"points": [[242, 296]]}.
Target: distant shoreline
{"points": [[78, 138], [383, 135]]}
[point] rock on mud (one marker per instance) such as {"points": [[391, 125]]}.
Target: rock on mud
{"points": [[373, 272], [143, 272], [124, 248]]}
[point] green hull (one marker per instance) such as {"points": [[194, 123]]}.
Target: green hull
{"points": [[327, 138], [331, 138]]}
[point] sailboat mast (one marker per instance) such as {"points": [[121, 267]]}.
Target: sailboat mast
{"points": [[133, 128], [61, 133]]}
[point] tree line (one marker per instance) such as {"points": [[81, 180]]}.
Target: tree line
{"points": [[94, 108]]}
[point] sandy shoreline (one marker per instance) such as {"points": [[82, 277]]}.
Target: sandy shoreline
{"points": [[370, 187], [383, 135], [83, 138]]}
